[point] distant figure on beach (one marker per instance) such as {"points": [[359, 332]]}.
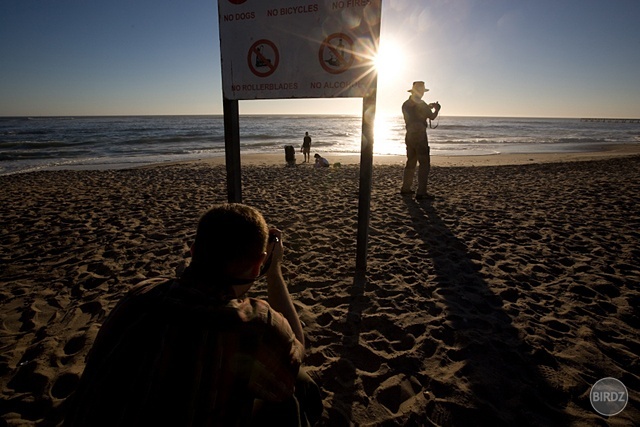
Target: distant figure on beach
{"points": [[196, 350], [306, 147], [321, 162], [416, 113]]}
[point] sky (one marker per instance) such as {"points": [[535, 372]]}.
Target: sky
{"points": [[501, 58]]}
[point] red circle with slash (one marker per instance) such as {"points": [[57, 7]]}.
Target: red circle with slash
{"points": [[257, 58], [337, 63]]}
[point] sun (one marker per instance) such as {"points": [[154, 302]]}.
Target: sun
{"points": [[388, 61]]}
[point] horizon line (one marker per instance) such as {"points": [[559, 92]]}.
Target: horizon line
{"points": [[71, 116]]}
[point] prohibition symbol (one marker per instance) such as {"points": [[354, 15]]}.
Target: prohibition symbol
{"points": [[336, 53], [263, 58], [237, 1]]}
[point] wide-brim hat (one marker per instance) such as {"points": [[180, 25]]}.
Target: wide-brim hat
{"points": [[418, 86]]}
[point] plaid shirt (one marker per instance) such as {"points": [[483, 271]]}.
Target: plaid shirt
{"points": [[171, 355]]}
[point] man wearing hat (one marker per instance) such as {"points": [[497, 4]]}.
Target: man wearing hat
{"points": [[416, 112]]}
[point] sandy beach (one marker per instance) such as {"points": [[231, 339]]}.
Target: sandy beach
{"points": [[606, 151], [500, 303]]}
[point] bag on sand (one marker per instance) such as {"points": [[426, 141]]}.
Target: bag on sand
{"points": [[290, 155]]}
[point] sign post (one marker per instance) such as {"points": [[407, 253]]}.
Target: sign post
{"points": [[366, 178], [232, 149], [283, 49]]}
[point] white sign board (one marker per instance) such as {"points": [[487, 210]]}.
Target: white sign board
{"points": [[298, 49]]}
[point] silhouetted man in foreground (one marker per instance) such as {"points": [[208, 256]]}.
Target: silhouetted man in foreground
{"points": [[196, 351]]}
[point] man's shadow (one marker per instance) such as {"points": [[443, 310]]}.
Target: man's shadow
{"points": [[504, 382]]}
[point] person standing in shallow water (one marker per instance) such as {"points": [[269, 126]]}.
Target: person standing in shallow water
{"points": [[416, 112], [306, 147]]}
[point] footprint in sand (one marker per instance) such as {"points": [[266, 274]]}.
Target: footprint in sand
{"points": [[28, 380], [75, 344], [398, 391], [92, 307], [26, 317], [556, 328], [64, 385]]}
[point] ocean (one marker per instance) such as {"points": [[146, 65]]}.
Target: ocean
{"points": [[46, 143]]}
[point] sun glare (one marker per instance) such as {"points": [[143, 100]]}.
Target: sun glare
{"points": [[387, 138], [388, 61]]}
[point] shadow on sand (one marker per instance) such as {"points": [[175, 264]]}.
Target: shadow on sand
{"points": [[496, 378], [340, 413], [500, 381]]}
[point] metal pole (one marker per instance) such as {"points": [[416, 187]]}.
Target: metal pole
{"points": [[366, 175], [232, 149]]}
